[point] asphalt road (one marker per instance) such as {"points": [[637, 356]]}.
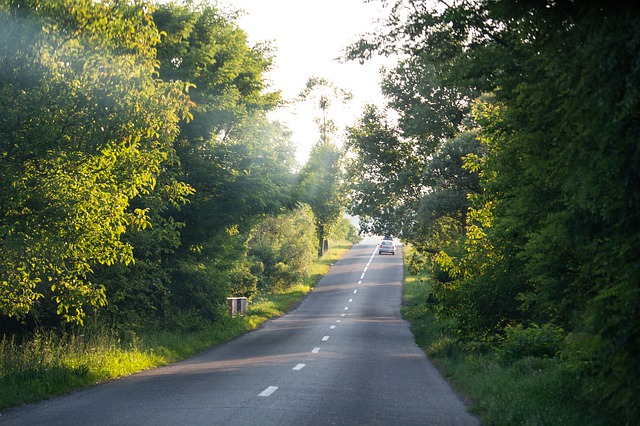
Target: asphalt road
{"points": [[343, 357]]}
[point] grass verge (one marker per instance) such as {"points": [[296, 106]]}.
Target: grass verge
{"points": [[51, 363], [527, 391]]}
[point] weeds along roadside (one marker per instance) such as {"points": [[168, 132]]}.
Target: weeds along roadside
{"points": [[499, 389], [53, 363]]}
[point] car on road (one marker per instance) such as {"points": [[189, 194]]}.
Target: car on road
{"points": [[386, 246]]}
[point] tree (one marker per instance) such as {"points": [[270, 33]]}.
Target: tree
{"points": [[383, 175], [205, 46], [86, 128], [229, 152], [324, 92], [319, 186], [319, 180], [239, 163], [429, 113], [442, 211]]}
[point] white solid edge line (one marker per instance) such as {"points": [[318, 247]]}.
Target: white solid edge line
{"points": [[268, 391]]}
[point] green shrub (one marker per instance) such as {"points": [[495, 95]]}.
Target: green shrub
{"points": [[534, 341], [282, 249]]}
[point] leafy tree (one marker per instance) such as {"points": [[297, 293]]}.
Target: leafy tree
{"points": [[429, 113], [442, 212], [229, 149], [319, 186], [383, 175], [86, 128], [324, 92], [319, 180], [450, 181], [239, 163], [205, 46], [344, 230]]}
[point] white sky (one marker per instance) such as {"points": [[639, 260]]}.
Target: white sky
{"points": [[308, 36]]}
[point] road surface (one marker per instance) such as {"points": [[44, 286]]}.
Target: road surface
{"points": [[344, 356]]}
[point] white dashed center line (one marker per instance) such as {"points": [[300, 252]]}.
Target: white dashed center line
{"points": [[268, 391], [271, 389]]}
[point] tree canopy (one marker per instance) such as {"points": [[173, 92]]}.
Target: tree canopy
{"points": [[86, 127]]}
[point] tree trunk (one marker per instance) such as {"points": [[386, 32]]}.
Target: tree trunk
{"points": [[320, 241]]}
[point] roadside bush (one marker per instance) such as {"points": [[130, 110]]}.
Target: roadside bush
{"points": [[282, 249], [243, 281], [198, 293], [533, 341]]}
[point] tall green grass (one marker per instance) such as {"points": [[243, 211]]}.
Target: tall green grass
{"points": [[54, 362], [51, 363]]}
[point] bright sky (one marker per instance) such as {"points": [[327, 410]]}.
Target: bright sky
{"points": [[308, 36]]}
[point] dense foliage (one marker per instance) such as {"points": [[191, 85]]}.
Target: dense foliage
{"points": [[142, 181], [519, 122], [319, 186], [85, 129]]}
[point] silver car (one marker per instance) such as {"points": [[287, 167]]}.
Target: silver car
{"points": [[386, 246]]}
